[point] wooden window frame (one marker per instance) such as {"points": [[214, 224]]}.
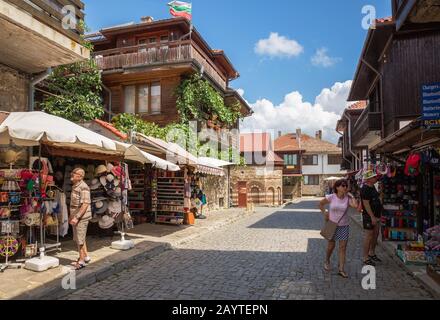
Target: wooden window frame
{"points": [[313, 158], [137, 85], [318, 182], [333, 157]]}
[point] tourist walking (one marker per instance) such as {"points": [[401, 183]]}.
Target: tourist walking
{"points": [[339, 203], [371, 214]]}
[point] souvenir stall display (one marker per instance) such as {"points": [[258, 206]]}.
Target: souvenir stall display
{"points": [[400, 202], [137, 195], [170, 197]]}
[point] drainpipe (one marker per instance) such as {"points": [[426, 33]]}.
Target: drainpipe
{"points": [[34, 81]]}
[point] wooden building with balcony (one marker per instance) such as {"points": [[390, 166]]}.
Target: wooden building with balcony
{"points": [[352, 156], [398, 58], [33, 39], [143, 63]]}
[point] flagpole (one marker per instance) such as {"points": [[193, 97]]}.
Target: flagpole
{"points": [[191, 23]]}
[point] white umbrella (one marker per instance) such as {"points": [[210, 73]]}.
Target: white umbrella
{"points": [[32, 128], [332, 179]]}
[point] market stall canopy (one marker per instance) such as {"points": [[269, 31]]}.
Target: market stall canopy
{"points": [[332, 179], [133, 153], [32, 128], [211, 162], [173, 152]]}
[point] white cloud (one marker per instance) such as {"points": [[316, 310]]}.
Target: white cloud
{"points": [[240, 92], [295, 113], [335, 98], [278, 46], [322, 59]]}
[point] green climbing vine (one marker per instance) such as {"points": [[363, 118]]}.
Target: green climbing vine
{"points": [[76, 89], [196, 98]]}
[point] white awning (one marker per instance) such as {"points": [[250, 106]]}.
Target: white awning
{"points": [[133, 153], [32, 128], [173, 152], [212, 162]]}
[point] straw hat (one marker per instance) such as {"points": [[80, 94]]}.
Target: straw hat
{"points": [[12, 156], [100, 170], [106, 222]]}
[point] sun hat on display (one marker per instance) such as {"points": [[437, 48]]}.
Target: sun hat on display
{"points": [[115, 194], [100, 207], [106, 222], [100, 170], [369, 175], [115, 206], [95, 184]]}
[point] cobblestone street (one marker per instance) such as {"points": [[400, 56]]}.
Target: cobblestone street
{"points": [[273, 254]]}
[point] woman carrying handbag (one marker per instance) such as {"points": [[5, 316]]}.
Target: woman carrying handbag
{"points": [[337, 227]]}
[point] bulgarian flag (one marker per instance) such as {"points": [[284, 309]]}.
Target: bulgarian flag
{"points": [[181, 9]]}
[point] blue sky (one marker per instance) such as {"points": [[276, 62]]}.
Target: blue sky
{"points": [[237, 27]]}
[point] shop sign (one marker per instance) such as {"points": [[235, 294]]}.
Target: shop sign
{"points": [[431, 105]]}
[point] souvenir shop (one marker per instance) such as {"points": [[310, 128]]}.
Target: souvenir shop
{"points": [[409, 185], [169, 196], [35, 190]]}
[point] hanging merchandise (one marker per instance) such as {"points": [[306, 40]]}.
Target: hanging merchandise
{"points": [[412, 167], [401, 205], [8, 246]]}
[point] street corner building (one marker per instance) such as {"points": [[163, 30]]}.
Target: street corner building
{"points": [[309, 163], [260, 181]]}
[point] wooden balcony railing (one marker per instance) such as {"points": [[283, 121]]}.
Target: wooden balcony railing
{"points": [[367, 122], [158, 54], [50, 12]]}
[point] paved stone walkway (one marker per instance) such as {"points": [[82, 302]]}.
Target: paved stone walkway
{"points": [[269, 255]]}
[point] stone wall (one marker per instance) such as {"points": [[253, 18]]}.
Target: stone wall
{"points": [[317, 190], [14, 88], [216, 191], [264, 187]]}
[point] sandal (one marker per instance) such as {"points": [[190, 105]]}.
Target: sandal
{"points": [[88, 260], [369, 262], [343, 274], [79, 266], [327, 267]]}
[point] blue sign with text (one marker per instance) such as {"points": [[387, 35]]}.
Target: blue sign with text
{"points": [[431, 105]]}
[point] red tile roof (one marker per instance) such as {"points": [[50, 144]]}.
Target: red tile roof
{"points": [[311, 144], [384, 20], [112, 129], [360, 105], [273, 157], [288, 142], [255, 142]]}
